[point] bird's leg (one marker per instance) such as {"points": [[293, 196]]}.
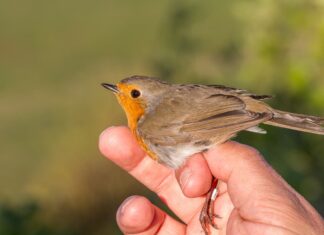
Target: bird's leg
{"points": [[207, 213]]}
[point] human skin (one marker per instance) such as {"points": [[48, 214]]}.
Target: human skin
{"points": [[253, 198]]}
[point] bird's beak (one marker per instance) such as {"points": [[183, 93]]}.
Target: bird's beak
{"points": [[111, 87]]}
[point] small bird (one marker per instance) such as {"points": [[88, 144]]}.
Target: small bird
{"points": [[171, 122]]}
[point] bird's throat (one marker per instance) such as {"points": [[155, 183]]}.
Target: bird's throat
{"points": [[134, 111]]}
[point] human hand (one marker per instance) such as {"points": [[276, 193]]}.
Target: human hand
{"points": [[253, 198]]}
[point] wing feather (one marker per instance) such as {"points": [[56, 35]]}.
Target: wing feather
{"points": [[204, 115]]}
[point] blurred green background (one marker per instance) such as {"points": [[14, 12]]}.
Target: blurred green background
{"points": [[54, 55]]}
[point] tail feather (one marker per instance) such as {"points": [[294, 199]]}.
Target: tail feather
{"points": [[299, 122]]}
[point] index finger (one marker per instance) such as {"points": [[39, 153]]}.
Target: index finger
{"points": [[119, 145]]}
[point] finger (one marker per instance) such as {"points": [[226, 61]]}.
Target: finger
{"points": [[238, 165], [194, 177], [137, 216], [250, 180], [119, 145]]}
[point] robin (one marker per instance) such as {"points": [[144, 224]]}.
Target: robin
{"points": [[171, 122]]}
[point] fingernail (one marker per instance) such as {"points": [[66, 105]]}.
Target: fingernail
{"points": [[184, 178], [123, 207], [103, 133]]}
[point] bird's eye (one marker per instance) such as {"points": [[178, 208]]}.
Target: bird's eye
{"points": [[135, 93]]}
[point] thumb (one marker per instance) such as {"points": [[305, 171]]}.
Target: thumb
{"points": [[247, 175], [259, 194]]}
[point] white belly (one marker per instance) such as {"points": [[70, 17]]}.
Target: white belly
{"points": [[175, 156]]}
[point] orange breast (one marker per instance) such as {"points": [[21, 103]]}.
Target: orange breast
{"points": [[134, 110]]}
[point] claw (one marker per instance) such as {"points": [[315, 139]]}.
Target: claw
{"points": [[207, 215]]}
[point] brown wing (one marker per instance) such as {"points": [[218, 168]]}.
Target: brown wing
{"points": [[222, 113], [198, 114]]}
